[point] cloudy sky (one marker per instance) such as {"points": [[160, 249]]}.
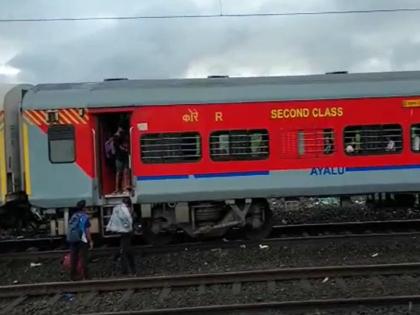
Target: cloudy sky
{"points": [[162, 48]]}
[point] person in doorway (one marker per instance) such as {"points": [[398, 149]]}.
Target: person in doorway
{"points": [[110, 149], [79, 239], [121, 222], [121, 161]]}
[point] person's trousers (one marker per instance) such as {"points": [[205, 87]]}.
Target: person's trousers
{"points": [[127, 256], [78, 252]]}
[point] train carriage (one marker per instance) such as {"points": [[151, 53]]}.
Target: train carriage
{"points": [[3, 90], [11, 186], [205, 154]]}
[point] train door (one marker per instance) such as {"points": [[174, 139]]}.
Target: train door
{"points": [[113, 154]]}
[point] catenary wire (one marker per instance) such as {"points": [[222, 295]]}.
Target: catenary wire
{"points": [[201, 16]]}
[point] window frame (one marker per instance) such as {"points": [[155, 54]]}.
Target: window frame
{"points": [[166, 134], [73, 130], [245, 157], [412, 126], [360, 128], [319, 136], [333, 137]]}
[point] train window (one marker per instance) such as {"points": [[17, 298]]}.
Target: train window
{"points": [[170, 147], [316, 143], [301, 142], [415, 138], [239, 145], [373, 139], [328, 141], [61, 144]]}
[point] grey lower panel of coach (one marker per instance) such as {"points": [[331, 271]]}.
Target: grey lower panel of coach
{"points": [[278, 184]]}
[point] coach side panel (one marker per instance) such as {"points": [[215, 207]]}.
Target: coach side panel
{"points": [[58, 159], [290, 168]]}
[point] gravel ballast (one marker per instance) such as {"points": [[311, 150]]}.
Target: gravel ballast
{"points": [[277, 255], [224, 294]]}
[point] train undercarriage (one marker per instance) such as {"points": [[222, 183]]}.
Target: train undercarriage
{"points": [[207, 219], [160, 222]]}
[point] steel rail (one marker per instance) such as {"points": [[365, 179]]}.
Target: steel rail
{"points": [[345, 228], [324, 225], [188, 280], [147, 249], [283, 306]]}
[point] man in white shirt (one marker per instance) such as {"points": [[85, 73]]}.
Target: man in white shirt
{"points": [[121, 222]]}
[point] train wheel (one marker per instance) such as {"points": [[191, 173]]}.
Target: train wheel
{"points": [[259, 221], [156, 237]]}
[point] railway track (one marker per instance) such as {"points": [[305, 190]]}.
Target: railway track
{"points": [[281, 234], [406, 302], [13, 297]]}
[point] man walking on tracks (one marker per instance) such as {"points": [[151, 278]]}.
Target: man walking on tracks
{"points": [[121, 222], [80, 240]]}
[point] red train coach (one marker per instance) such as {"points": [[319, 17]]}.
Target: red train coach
{"points": [[205, 154]]}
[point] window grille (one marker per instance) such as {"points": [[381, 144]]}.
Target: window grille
{"points": [[170, 147], [373, 139], [239, 145], [316, 142], [415, 138]]}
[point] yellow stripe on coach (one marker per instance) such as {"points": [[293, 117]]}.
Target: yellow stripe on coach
{"points": [[3, 174], [26, 161]]}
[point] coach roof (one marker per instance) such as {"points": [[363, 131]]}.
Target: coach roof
{"points": [[222, 90]]}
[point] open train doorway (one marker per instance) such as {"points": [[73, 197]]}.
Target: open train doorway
{"points": [[114, 156]]}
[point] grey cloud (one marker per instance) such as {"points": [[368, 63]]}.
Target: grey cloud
{"points": [[87, 51]]}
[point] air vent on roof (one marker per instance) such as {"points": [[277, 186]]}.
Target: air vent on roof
{"points": [[115, 79], [217, 76], [337, 72]]}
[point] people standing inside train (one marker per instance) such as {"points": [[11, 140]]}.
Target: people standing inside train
{"points": [[416, 142], [121, 147], [350, 147], [121, 222], [390, 147], [79, 239]]}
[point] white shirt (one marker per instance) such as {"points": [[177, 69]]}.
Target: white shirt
{"points": [[416, 144], [390, 146], [121, 220]]}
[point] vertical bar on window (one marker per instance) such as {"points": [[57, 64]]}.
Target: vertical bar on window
{"points": [[301, 142]]}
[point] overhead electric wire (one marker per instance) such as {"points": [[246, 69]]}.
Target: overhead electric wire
{"points": [[214, 15]]}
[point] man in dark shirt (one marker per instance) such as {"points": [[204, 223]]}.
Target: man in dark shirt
{"points": [[121, 161], [80, 241]]}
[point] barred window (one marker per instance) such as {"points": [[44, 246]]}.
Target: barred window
{"points": [[170, 147], [239, 145], [316, 143], [373, 139], [415, 138], [61, 145]]}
